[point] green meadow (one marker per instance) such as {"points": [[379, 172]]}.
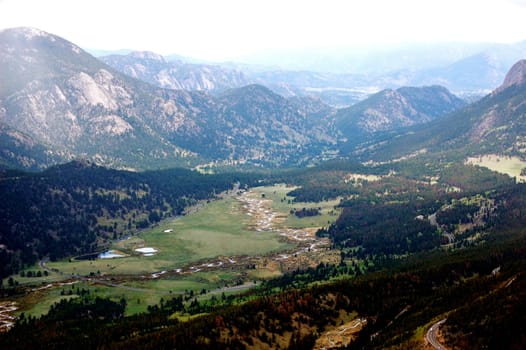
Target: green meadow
{"points": [[218, 229], [284, 204], [502, 164]]}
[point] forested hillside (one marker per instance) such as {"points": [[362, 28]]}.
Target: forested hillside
{"points": [[391, 304], [78, 207]]}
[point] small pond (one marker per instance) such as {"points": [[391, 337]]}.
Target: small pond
{"points": [[110, 254]]}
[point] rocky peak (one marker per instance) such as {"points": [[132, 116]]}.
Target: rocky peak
{"points": [[391, 109], [515, 76], [27, 33], [28, 39], [147, 55], [252, 91]]}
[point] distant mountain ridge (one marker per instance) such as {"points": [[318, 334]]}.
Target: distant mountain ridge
{"points": [[470, 71], [465, 69], [77, 106], [180, 73], [176, 74], [58, 103], [392, 109], [495, 124]]}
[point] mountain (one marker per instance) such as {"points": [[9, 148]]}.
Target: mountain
{"points": [[471, 72], [494, 124], [368, 60], [176, 74], [99, 53], [342, 78], [475, 74], [268, 125], [74, 105], [478, 72], [392, 109], [64, 98], [516, 76], [20, 150]]}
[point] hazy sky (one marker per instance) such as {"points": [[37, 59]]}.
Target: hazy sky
{"points": [[225, 29]]}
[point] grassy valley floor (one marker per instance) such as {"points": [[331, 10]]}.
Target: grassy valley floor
{"points": [[223, 246]]}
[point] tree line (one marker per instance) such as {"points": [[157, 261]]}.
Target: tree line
{"points": [[71, 209]]}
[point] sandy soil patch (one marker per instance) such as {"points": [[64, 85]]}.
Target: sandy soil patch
{"points": [[341, 336], [7, 319]]}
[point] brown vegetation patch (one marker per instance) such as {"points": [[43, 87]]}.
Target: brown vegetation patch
{"points": [[341, 336], [7, 319]]}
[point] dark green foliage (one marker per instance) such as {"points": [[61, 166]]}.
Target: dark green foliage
{"points": [[396, 300], [325, 181], [395, 303], [306, 277], [494, 321], [304, 212], [383, 229], [473, 179], [85, 308], [458, 214], [56, 213]]}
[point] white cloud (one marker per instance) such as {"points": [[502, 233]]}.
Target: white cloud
{"points": [[520, 3]]}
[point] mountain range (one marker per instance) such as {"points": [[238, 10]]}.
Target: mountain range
{"points": [[392, 109], [495, 124], [57, 103], [447, 64], [176, 74], [72, 105], [339, 79], [406, 235]]}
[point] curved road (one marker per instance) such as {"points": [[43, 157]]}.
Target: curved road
{"points": [[431, 335]]}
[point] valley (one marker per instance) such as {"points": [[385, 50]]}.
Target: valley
{"points": [[244, 237], [152, 202], [248, 245]]}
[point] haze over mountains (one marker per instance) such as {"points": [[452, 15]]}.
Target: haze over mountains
{"points": [[176, 74], [74, 105], [392, 109], [58, 103], [457, 66], [495, 124], [343, 78]]}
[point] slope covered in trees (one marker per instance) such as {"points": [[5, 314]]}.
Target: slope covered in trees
{"points": [[392, 274], [75, 208], [394, 303]]}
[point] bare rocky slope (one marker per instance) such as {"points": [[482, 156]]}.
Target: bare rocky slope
{"points": [[176, 74], [73, 105], [393, 109], [495, 124], [58, 102]]}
